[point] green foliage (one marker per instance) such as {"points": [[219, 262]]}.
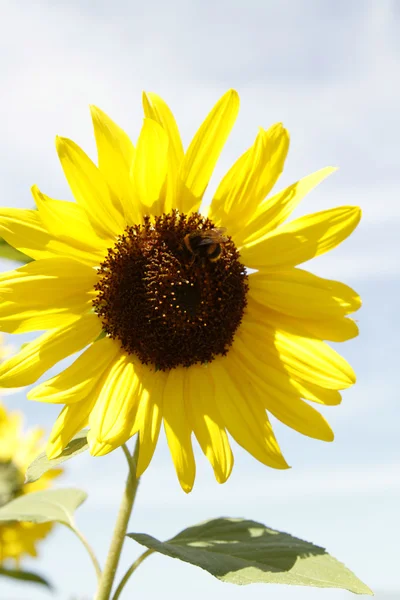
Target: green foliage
{"points": [[41, 464], [27, 576], [44, 506], [241, 552]]}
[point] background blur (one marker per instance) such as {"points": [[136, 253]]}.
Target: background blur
{"points": [[330, 72]]}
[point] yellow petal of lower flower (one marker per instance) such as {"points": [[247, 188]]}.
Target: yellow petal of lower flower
{"points": [[50, 281], [177, 428], [303, 295], [207, 423], [116, 154], [45, 480], [276, 209], [10, 429], [90, 190], [77, 381], [20, 538], [243, 415], [309, 359], [70, 421], [68, 222], [302, 239], [24, 230], [17, 319], [150, 167], [205, 148], [117, 401], [27, 451], [155, 108], [249, 180], [38, 356], [148, 417], [284, 405]]}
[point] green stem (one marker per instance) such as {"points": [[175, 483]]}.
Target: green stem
{"points": [[129, 572], [117, 542], [90, 551]]}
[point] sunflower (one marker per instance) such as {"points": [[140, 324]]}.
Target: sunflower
{"points": [[158, 295], [17, 451]]}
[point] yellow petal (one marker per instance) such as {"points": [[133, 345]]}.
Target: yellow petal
{"points": [[294, 412], [38, 356], [333, 330], [207, 423], [243, 415], [78, 380], [97, 448], [116, 153], [117, 401], [276, 209], [70, 421], [150, 167], [298, 293], [250, 179], [205, 148], [68, 222], [155, 108], [17, 319], [316, 393], [50, 281], [24, 230], [309, 359], [148, 417], [90, 190], [285, 406], [302, 239], [275, 373], [177, 428]]}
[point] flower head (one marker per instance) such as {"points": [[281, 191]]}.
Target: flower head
{"points": [[157, 294], [17, 451]]}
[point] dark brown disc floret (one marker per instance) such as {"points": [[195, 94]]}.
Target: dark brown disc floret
{"points": [[168, 299]]}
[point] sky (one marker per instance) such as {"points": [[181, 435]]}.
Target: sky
{"points": [[329, 72]]}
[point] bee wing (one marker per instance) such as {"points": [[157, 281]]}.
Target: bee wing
{"points": [[218, 230], [212, 236]]}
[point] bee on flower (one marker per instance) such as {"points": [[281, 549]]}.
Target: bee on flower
{"points": [[157, 294]]}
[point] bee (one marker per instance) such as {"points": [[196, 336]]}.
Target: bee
{"points": [[206, 243]]}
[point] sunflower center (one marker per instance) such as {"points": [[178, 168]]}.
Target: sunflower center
{"points": [[172, 291], [11, 481]]}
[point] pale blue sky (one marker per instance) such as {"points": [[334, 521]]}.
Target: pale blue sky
{"points": [[330, 72]]}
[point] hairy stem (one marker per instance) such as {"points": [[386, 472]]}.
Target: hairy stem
{"points": [[117, 542]]}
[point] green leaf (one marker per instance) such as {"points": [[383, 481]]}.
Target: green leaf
{"points": [[41, 464], [242, 552], [10, 253], [47, 505], [24, 576]]}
